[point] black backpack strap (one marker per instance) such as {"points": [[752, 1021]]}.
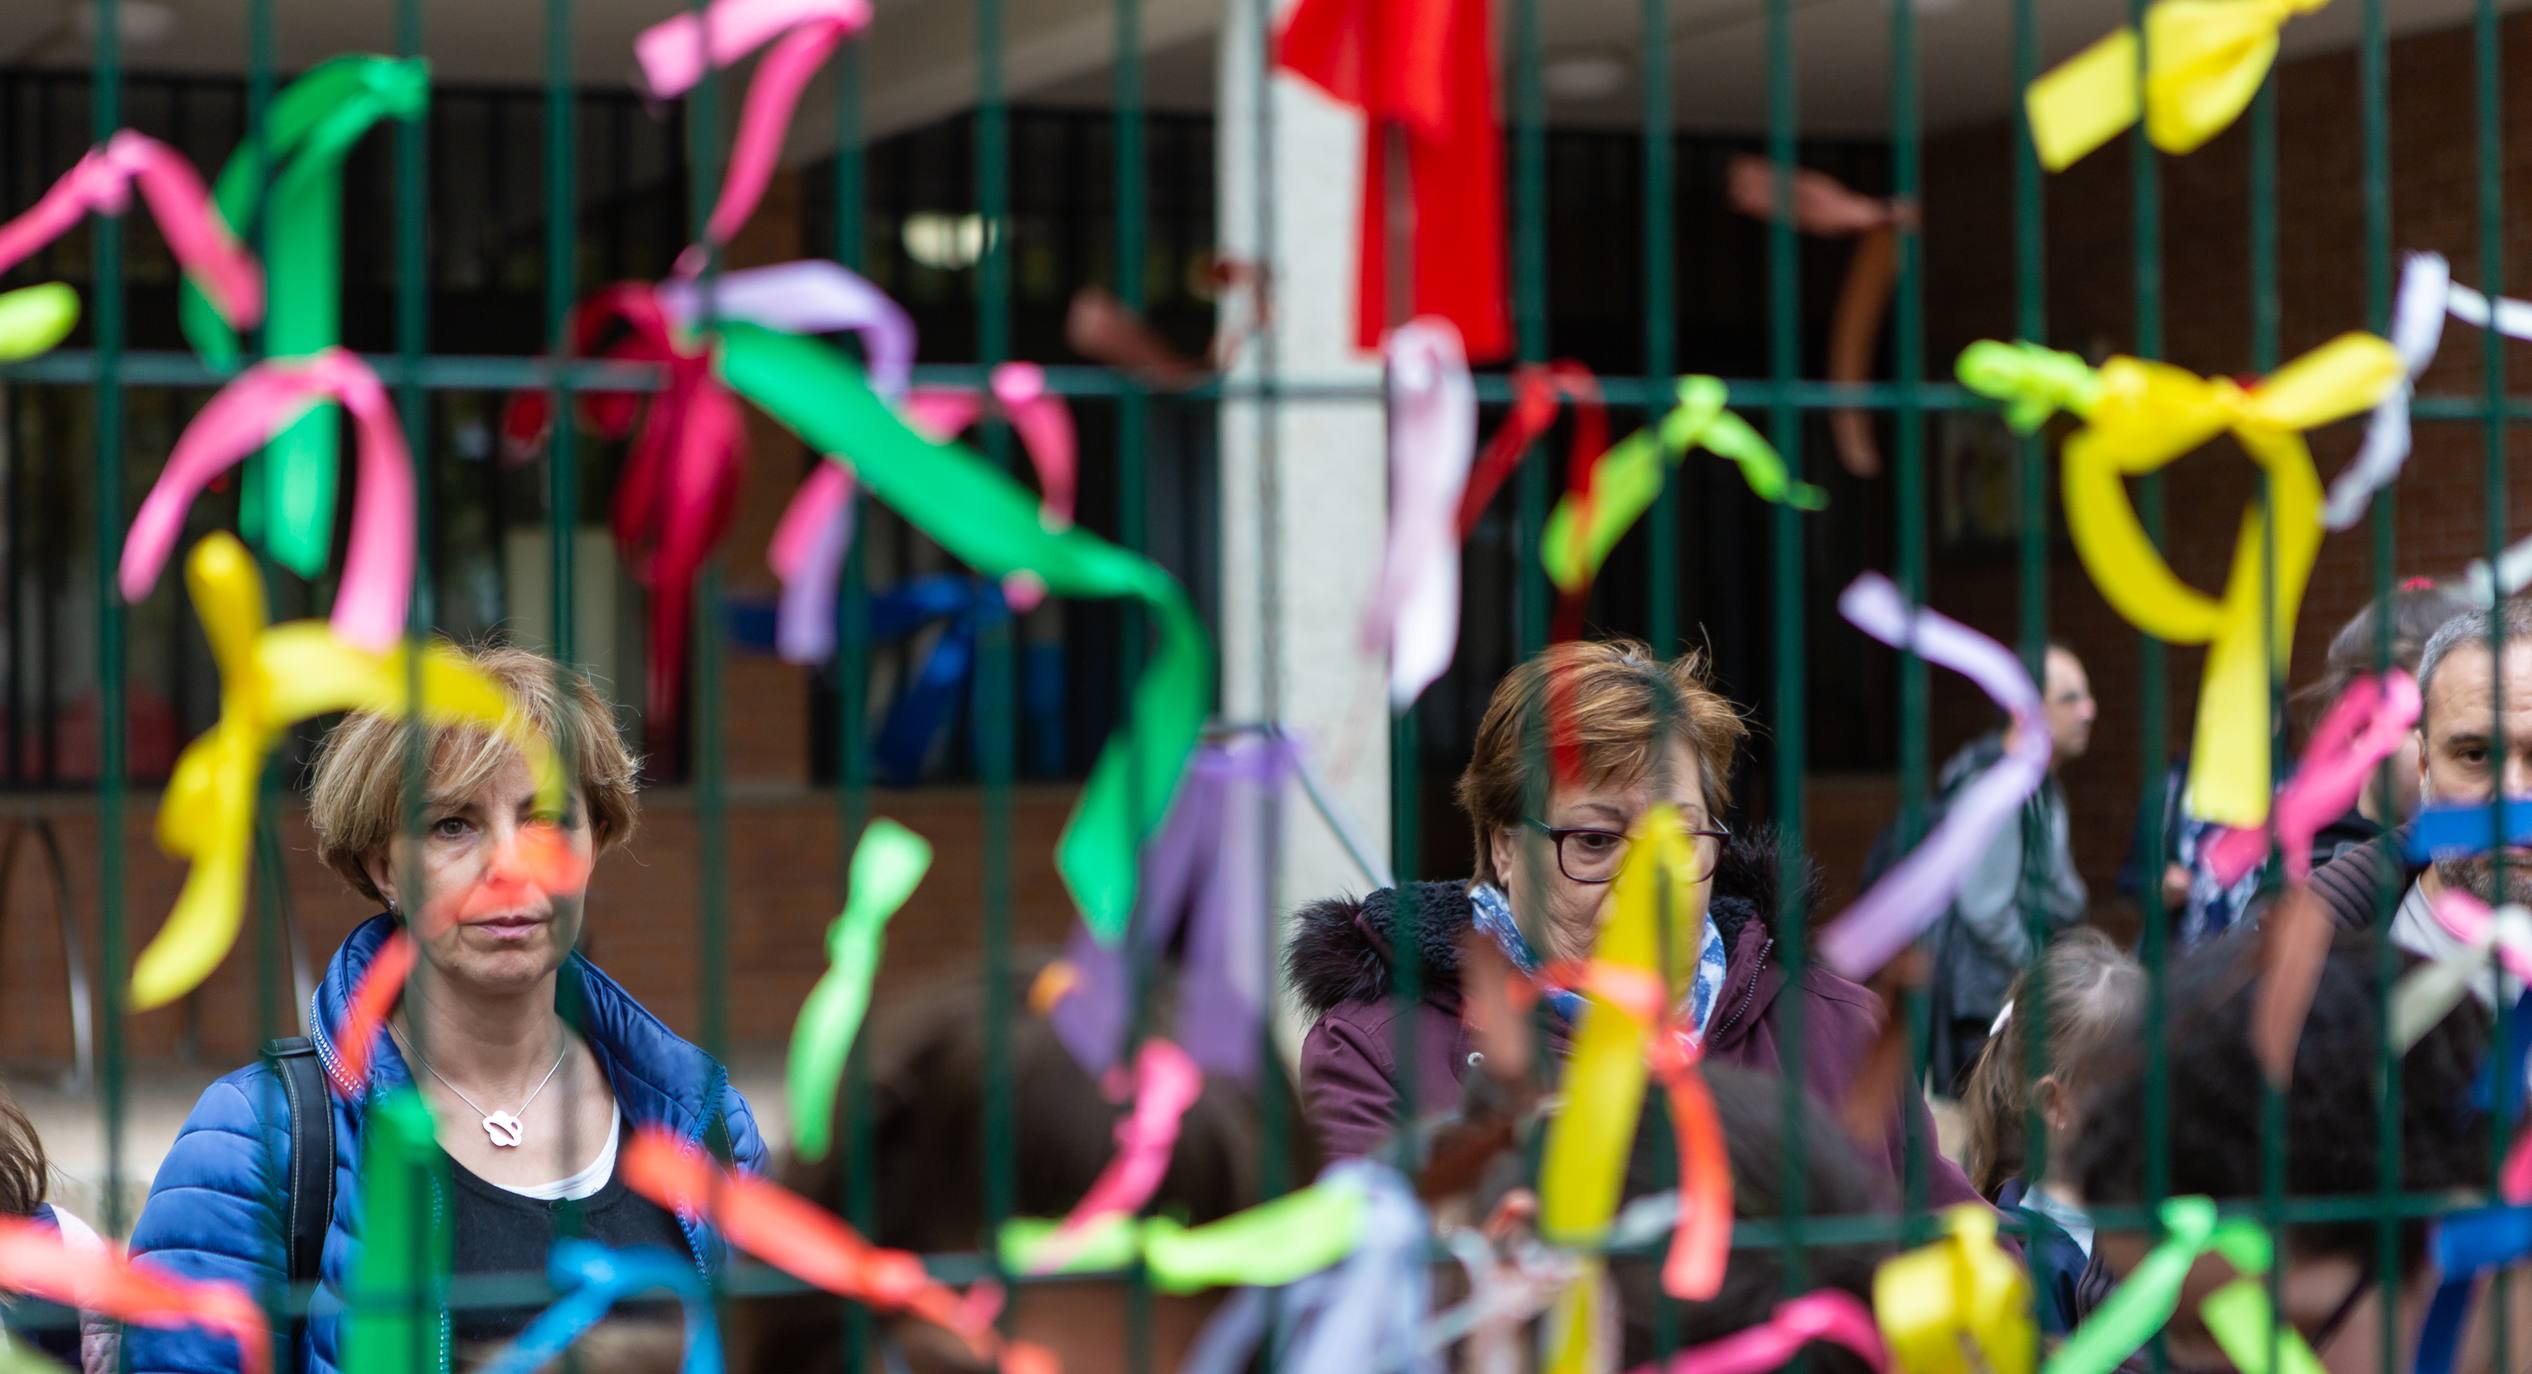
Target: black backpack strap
{"points": [[311, 1211]]}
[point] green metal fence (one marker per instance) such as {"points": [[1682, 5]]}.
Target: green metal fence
{"points": [[104, 371]]}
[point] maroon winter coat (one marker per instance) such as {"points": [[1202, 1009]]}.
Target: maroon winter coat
{"points": [[1339, 964]]}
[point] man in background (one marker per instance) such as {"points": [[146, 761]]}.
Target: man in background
{"points": [[2025, 878]]}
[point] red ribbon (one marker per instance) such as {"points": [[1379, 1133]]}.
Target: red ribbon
{"points": [[679, 487], [1425, 68]]}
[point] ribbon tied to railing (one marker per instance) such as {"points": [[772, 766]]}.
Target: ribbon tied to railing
{"points": [[887, 864], [294, 186], [2203, 61], [2146, 416], [1962, 1296], [2237, 1314], [261, 404], [271, 678]]}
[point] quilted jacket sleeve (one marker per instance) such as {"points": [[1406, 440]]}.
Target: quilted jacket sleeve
{"points": [[747, 1144], [215, 1212]]}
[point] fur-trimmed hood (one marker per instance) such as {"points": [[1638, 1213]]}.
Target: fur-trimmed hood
{"points": [[1340, 949]]}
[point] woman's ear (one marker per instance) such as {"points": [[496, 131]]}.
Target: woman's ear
{"points": [[382, 876], [1504, 847]]}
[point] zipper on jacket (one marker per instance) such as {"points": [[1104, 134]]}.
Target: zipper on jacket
{"points": [[694, 1229], [1749, 996]]}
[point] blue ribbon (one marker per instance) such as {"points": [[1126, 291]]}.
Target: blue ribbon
{"points": [[922, 707], [2464, 1246], [600, 1277], [2461, 830]]}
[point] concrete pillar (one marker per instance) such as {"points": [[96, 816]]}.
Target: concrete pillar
{"points": [[1304, 481]]}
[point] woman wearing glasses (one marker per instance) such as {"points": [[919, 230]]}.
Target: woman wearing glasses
{"points": [[1637, 731]]}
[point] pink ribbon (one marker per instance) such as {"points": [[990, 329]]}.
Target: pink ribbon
{"points": [[1167, 1083], [2516, 1182], [807, 553], [2469, 920], [1414, 614], [1920, 887], [369, 610], [677, 52], [2364, 727], [1829, 1315], [1045, 426], [102, 182]]}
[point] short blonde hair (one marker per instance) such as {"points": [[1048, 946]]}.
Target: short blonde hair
{"points": [[1619, 704], [356, 803]]}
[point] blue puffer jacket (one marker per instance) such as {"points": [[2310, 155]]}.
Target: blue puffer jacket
{"points": [[216, 1210]]}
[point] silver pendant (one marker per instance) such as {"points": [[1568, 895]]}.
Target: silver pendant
{"points": [[504, 1130]]}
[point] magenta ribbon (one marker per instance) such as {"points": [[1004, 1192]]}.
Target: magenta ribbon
{"points": [[676, 53], [1045, 426], [1166, 1083], [1920, 887], [102, 182], [1828, 1315], [2364, 727], [679, 487], [264, 400], [1414, 615]]}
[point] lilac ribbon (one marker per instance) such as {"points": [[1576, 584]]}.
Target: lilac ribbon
{"points": [[816, 529], [1203, 889], [809, 297], [1918, 889], [1432, 441], [1361, 1314]]}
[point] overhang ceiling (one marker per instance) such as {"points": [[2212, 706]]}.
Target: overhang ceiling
{"points": [[920, 59]]}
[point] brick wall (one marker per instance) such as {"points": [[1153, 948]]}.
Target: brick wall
{"points": [[785, 867], [2441, 520]]}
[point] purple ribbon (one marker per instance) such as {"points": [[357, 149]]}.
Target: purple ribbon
{"points": [[1203, 889], [1920, 887]]}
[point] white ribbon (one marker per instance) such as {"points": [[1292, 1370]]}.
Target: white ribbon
{"points": [[2427, 295], [1432, 441], [2428, 993]]}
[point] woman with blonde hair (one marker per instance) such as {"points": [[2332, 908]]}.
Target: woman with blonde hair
{"points": [[536, 1065], [1635, 731]]}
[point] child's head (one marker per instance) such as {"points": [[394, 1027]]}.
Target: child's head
{"points": [[925, 1177], [2327, 1143], [2089, 995]]}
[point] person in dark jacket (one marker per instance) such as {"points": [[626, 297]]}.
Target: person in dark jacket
{"points": [[1638, 730], [536, 1065]]}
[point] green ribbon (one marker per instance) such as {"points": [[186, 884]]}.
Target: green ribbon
{"points": [[2034, 382], [399, 1285], [287, 500], [1266, 1246], [887, 864], [987, 520], [2237, 1315], [34, 319], [1629, 476]]}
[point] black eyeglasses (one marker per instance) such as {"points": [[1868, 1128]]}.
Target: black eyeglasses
{"points": [[1588, 854]]}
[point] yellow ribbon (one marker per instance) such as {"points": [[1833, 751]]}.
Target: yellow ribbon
{"points": [[1583, 1168], [272, 677], [2205, 59], [2148, 414], [1960, 1297]]}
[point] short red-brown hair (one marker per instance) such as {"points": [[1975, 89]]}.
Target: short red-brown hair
{"points": [[1616, 703]]}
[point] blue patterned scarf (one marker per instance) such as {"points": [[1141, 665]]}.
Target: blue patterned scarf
{"points": [[1490, 912]]}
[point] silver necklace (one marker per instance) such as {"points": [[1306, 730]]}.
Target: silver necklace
{"points": [[502, 1128]]}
